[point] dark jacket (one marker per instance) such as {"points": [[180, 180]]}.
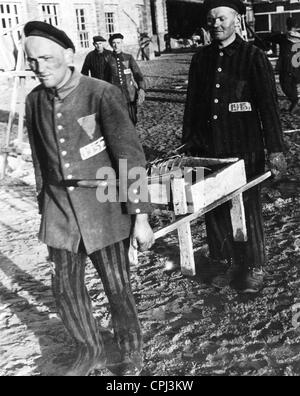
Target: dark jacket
{"points": [[232, 104], [61, 128], [96, 66], [125, 73]]}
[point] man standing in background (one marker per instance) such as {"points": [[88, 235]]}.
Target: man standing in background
{"points": [[232, 111], [126, 75], [95, 64]]}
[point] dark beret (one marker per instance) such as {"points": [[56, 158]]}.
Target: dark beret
{"points": [[236, 5], [96, 39], [42, 29], [115, 36]]}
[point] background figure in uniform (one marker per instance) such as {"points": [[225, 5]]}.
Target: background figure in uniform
{"points": [[72, 122], [289, 73], [126, 75], [232, 111], [95, 64]]}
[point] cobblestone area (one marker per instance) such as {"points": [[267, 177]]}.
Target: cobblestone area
{"points": [[189, 327]]}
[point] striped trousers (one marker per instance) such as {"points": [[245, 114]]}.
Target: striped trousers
{"points": [[222, 246], [74, 304]]}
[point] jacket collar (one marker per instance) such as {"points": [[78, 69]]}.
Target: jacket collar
{"points": [[231, 48], [66, 89]]}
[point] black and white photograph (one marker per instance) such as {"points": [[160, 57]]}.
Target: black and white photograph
{"points": [[149, 190]]}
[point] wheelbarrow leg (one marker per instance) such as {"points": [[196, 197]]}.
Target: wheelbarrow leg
{"points": [[238, 219], [187, 259]]}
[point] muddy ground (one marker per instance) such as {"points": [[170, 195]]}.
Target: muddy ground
{"points": [[189, 327]]}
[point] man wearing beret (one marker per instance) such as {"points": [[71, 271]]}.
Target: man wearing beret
{"points": [[232, 111], [77, 127], [126, 75], [95, 63]]}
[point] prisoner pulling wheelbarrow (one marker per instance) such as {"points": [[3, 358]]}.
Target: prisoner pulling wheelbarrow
{"points": [[192, 187]]}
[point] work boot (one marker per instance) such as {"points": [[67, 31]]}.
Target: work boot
{"points": [[224, 279], [87, 360], [251, 281]]}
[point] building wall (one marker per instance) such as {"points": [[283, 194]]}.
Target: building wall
{"points": [[272, 16], [130, 17]]}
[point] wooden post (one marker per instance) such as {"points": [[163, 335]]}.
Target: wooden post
{"points": [[3, 164], [179, 196], [187, 260], [22, 84], [238, 219]]}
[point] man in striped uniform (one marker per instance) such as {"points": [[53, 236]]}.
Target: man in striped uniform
{"points": [[78, 127], [232, 110], [95, 64]]}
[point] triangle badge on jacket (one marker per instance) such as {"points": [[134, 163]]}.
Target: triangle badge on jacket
{"points": [[89, 124]]}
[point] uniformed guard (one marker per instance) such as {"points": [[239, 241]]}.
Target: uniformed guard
{"points": [[78, 126], [232, 111], [126, 75]]}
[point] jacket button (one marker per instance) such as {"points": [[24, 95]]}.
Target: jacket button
{"points": [[60, 128], [70, 177], [71, 188], [62, 140], [138, 211], [67, 166], [59, 115], [64, 153]]}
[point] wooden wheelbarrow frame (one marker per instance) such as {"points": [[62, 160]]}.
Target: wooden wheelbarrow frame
{"points": [[228, 184]]}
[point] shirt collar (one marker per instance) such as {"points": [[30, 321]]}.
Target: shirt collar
{"points": [[67, 88], [231, 48]]}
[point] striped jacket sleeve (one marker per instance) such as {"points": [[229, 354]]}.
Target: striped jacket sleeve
{"points": [[264, 88]]}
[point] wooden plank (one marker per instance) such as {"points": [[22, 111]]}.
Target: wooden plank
{"points": [[14, 73], [3, 163], [238, 219], [198, 161], [216, 186], [179, 196], [187, 260], [186, 219]]}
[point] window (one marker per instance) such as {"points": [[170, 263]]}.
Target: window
{"points": [[110, 22], [83, 34], [262, 23], [50, 14], [9, 16]]}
